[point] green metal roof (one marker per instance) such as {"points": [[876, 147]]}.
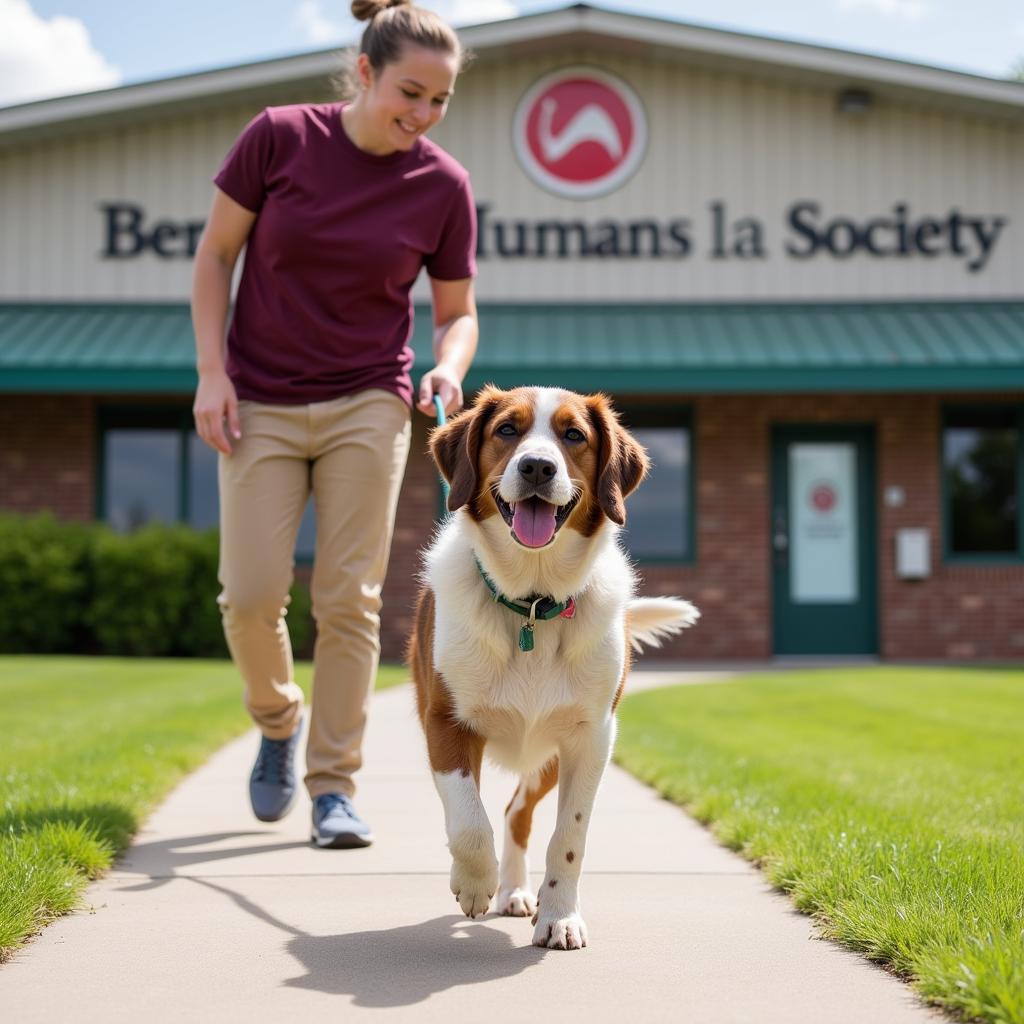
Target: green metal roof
{"points": [[651, 348]]}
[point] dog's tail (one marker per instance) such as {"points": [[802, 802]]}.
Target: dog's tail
{"points": [[653, 619]]}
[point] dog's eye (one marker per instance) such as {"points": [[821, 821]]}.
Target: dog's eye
{"points": [[507, 430], [574, 435]]}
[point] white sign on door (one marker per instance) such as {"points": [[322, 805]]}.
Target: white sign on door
{"points": [[823, 523]]}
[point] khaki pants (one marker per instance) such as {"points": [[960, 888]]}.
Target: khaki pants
{"points": [[351, 453]]}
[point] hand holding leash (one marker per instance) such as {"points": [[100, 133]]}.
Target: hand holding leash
{"points": [[441, 382]]}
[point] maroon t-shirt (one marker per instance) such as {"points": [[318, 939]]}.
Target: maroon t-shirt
{"points": [[323, 307]]}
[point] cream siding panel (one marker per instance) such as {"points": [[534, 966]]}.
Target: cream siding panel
{"points": [[755, 145], [54, 230], [7, 261]]}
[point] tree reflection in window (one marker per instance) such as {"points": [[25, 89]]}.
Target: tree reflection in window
{"points": [[981, 482], [142, 477]]}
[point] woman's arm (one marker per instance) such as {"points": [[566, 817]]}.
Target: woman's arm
{"points": [[225, 233], [455, 338]]}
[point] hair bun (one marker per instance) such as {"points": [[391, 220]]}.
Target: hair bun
{"points": [[367, 10]]}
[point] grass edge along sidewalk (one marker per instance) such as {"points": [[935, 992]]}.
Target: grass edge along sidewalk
{"points": [[90, 746], [886, 801]]}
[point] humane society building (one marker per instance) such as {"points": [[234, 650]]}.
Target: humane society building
{"points": [[796, 270]]}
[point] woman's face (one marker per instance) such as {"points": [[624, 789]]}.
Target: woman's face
{"points": [[407, 98]]}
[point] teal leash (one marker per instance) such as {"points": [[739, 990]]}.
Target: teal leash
{"points": [[441, 420]]}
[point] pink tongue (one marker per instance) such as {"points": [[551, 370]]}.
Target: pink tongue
{"points": [[533, 522]]}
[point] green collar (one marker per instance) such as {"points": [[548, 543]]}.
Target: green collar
{"points": [[538, 608]]}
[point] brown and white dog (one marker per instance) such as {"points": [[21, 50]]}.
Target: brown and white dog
{"points": [[537, 477]]}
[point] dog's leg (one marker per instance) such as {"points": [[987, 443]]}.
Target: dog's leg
{"points": [[456, 753], [515, 897], [581, 763]]}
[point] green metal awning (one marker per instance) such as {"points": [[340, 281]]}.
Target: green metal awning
{"points": [[651, 348]]}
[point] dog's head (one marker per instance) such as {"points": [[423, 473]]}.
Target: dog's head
{"points": [[540, 458]]}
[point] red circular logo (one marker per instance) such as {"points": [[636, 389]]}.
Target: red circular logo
{"points": [[580, 132], [823, 497]]}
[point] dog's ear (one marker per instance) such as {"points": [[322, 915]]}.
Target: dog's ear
{"points": [[456, 447], [622, 462]]}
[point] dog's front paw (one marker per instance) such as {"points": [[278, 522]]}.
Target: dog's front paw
{"points": [[567, 931], [473, 888], [517, 902], [474, 878]]}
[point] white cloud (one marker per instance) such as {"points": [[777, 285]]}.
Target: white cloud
{"points": [[473, 12], [908, 10], [42, 57], [319, 29]]}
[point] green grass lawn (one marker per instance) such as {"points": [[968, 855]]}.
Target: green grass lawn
{"points": [[888, 801], [88, 747]]}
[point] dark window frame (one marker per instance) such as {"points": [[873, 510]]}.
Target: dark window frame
{"points": [[950, 413], [669, 415], [143, 417], [153, 417]]}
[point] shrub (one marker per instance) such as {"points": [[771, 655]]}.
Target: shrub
{"points": [[81, 588], [44, 578], [200, 633], [140, 590]]}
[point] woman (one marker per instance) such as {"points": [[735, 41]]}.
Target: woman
{"points": [[340, 205]]}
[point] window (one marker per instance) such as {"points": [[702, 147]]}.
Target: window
{"points": [[981, 451], [659, 514], [141, 477], [155, 469], [203, 510]]}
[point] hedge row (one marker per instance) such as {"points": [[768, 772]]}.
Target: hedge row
{"points": [[81, 588]]}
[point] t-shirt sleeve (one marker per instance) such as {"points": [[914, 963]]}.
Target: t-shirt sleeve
{"points": [[455, 256], [243, 175]]}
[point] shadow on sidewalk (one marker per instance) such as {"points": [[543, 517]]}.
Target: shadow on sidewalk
{"points": [[161, 859], [405, 965], [397, 966]]}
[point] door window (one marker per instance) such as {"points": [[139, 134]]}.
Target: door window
{"points": [[823, 522]]}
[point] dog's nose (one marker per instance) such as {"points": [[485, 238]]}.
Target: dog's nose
{"points": [[537, 469]]}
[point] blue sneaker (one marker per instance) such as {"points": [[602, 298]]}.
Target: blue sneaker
{"points": [[272, 782], [336, 824]]}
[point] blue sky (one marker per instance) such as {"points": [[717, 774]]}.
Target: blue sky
{"points": [[54, 47]]}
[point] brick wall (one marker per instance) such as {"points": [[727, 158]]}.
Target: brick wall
{"points": [[963, 611], [48, 460], [960, 612], [48, 455]]}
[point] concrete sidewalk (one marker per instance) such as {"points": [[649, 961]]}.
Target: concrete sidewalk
{"points": [[213, 916]]}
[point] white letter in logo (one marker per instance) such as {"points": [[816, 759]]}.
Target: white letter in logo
{"points": [[589, 124]]}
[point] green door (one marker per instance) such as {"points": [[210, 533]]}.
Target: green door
{"points": [[823, 540]]}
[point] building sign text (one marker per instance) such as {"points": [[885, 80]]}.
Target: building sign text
{"points": [[805, 231]]}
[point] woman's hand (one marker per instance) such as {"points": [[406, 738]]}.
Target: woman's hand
{"points": [[216, 402], [444, 381], [455, 336]]}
